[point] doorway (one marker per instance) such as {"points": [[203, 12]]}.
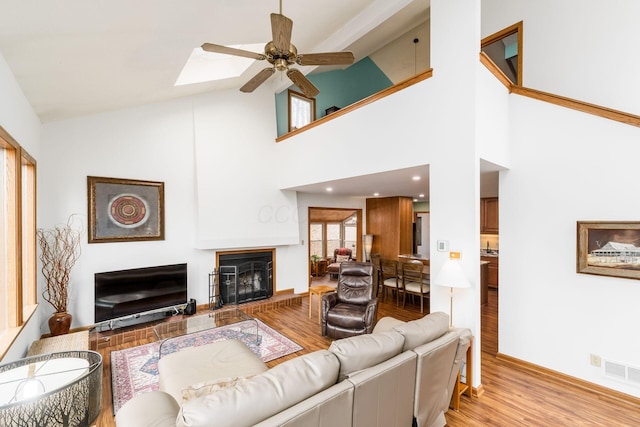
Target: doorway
{"points": [[329, 229]]}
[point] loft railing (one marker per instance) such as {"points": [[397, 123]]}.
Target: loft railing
{"points": [[585, 107], [368, 100]]}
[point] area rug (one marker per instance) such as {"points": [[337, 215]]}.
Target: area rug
{"points": [[135, 370]]}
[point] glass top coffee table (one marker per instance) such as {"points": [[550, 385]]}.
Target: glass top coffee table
{"points": [[205, 322]]}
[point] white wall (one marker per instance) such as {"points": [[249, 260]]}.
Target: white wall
{"points": [[20, 121], [153, 142], [402, 58], [581, 49], [566, 167], [549, 314], [239, 203], [215, 155]]}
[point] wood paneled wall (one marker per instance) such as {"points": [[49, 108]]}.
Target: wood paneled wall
{"points": [[390, 221]]}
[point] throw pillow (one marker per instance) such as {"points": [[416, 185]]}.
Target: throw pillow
{"points": [[342, 258], [207, 387], [422, 331]]}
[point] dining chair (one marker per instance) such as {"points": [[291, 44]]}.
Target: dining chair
{"points": [[376, 260], [390, 278], [414, 282]]}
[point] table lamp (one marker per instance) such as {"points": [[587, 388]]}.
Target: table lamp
{"points": [[52, 389], [452, 276]]}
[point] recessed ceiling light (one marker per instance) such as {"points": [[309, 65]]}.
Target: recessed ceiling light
{"points": [[416, 178], [329, 189], [376, 194], [420, 195], [415, 200], [207, 66]]}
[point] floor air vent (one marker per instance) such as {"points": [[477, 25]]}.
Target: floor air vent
{"points": [[621, 372]]}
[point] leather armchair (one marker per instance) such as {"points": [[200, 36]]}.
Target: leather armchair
{"points": [[352, 309], [334, 267]]}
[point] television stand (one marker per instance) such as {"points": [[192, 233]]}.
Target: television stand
{"points": [[136, 319]]}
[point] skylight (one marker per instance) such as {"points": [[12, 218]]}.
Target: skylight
{"points": [[206, 66]]}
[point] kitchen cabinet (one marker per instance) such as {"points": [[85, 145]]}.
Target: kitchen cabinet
{"points": [[484, 282], [492, 279], [489, 215], [390, 220]]}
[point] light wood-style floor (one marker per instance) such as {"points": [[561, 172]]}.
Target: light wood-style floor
{"points": [[511, 397]]}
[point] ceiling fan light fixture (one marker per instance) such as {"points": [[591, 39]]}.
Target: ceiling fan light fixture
{"points": [[281, 64]]}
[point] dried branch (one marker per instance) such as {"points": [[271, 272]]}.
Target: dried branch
{"points": [[59, 251]]}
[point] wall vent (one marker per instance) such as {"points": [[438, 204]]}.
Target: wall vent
{"points": [[621, 372], [633, 375]]}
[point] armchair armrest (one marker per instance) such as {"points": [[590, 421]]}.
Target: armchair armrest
{"points": [[328, 300], [371, 314], [152, 409]]}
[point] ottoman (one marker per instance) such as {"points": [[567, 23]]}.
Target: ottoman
{"points": [[210, 362]]}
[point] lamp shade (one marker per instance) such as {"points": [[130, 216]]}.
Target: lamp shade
{"points": [[368, 245], [54, 389], [452, 276]]}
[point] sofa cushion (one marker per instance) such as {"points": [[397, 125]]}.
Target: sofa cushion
{"points": [[363, 351], [342, 258], [252, 400], [421, 331], [387, 324]]}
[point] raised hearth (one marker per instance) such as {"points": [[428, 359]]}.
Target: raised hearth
{"points": [[139, 333]]}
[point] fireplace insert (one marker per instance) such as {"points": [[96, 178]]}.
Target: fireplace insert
{"points": [[244, 277]]}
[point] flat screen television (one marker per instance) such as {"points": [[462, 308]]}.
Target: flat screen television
{"points": [[129, 292]]}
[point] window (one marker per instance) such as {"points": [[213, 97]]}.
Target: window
{"points": [[18, 297], [334, 237], [8, 238], [316, 239], [350, 234], [302, 110], [28, 181], [504, 48]]}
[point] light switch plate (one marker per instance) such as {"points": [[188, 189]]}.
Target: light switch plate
{"points": [[442, 245]]}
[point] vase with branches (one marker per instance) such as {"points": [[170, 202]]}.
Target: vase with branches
{"points": [[59, 251]]}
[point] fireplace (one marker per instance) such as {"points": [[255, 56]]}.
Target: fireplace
{"points": [[244, 276]]}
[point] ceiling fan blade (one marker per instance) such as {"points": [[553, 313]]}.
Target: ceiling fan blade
{"points": [[303, 83], [216, 48], [257, 80], [329, 58], [281, 31]]}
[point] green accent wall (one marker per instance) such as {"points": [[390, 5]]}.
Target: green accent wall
{"points": [[338, 87]]}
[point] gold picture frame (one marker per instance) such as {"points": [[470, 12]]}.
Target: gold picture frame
{"points": [[125, 210], [609, 248]]}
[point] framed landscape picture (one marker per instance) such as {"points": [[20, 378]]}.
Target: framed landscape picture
{"points": [[609, 248], [123, 210]]}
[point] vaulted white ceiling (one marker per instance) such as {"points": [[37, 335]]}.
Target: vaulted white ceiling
{"points": [[76, 57]]}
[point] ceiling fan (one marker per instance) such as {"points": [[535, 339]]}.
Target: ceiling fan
{"points": [[281, 54]]}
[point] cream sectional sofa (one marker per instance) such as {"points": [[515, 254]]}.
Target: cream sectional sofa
{"points": [[399, 372]]}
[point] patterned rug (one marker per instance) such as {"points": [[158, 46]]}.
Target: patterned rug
{"points": [[135, 370]]}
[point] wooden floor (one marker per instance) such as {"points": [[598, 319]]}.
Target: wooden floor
{"points": [[511, 397]]}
